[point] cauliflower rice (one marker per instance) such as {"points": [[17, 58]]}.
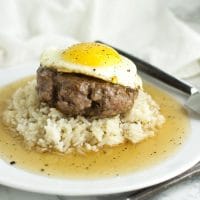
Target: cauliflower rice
{"points": [[48, 129]]}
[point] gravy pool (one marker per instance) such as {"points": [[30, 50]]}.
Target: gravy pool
{"points": [[110, 161]]}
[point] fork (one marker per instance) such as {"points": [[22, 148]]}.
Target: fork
{"points": [[149, 192], [193, 102]]}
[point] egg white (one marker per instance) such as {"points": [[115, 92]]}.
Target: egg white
{"points": [[124, 73]]}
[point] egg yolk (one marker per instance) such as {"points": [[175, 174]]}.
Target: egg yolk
{"points": [[91, 54]]}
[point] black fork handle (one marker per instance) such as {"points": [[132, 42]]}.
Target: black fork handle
{"points": [[158, 73]]}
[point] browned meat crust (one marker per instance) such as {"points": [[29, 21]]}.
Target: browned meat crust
{"points": [[76, 94]]}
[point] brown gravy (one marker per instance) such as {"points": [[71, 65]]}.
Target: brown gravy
{"points": [[115, 161]]}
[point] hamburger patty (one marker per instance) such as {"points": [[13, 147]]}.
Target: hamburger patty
{"points": [[77, 94]]}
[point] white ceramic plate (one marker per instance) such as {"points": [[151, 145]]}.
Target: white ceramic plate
{"points": [[186, 157]]}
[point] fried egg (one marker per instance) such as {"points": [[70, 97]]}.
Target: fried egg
{"points": [[93, 59]]}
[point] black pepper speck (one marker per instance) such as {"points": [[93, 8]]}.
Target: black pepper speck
{"points": [[12, 163]]}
